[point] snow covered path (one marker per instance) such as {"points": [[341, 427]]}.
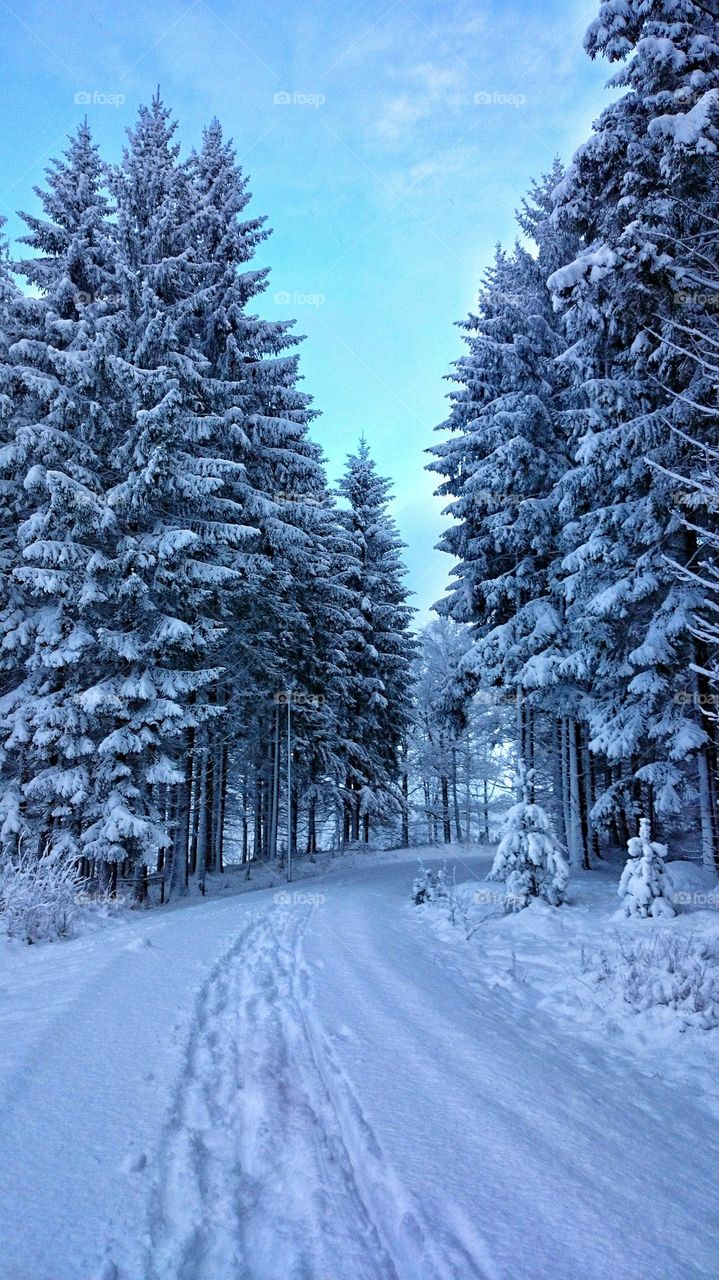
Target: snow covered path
{"points": [[247, 1090]]}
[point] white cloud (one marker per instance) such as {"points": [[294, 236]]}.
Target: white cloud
{"points": [[430, 88], [428, 170]]}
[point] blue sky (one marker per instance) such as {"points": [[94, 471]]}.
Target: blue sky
{"points": [[389, 145]]}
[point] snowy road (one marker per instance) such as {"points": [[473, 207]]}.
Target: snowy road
{"points": [[247, 1090]]}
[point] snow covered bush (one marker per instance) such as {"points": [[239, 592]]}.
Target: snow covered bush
{"points": [[529, 858], [429, 886], [662, 971], [645, 887], [38, 898]]}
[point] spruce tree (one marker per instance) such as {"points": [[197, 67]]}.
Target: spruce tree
{"points": [[286, 605], [174, 526], [10, 803], [529, 857], [441, 712], [631, 614], [505, 455], [60, 430], [379, 648], [645, 887]]}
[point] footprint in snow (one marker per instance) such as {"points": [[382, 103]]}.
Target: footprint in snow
{"points": [[108, 1271], [135, 1162], [139, 944]]}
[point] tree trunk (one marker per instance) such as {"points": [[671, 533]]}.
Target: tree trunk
{"points": [[706, 814], [467, 791], [557, 777], [588, 771], [566, 803], [435, 815], [621, 819], [405, 802], [220, 774], [446, 825], [312, 826], [203, 833], [577, 854], [519, 710], [275, 807], [267, 771], [355, 818], [258, 851], [194, 812], [140, 886], [294, 810], [707, 810], [529, 730], [583, 806], [245, 825], [455, 798], [346, 820], [181, 836]]}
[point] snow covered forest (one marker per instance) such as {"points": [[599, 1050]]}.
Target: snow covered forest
{"points": [[502, 968], [177, 572]]}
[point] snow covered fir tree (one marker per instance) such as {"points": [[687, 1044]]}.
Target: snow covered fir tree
{"points": [[529, 857], [645, 888]]}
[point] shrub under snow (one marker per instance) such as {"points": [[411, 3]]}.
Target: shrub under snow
{"points": [[646, 888], [38, 898], [661, 971], [429, 885], [529, 858]]}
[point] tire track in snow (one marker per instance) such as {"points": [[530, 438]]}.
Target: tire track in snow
{"points": [[428, 1251], [253, 1179]]}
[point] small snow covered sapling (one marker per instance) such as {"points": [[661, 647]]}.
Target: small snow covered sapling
{"points": [[529, 857], [646, 887], [429, 885]]}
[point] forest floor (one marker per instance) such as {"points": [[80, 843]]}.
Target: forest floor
{"points": [[326, 1081]]}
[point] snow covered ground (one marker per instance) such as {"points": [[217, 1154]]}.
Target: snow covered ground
{"points": [[337, 1083]]}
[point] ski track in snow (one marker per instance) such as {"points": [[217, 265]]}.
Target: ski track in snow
{"points": [[268, 1166]]}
